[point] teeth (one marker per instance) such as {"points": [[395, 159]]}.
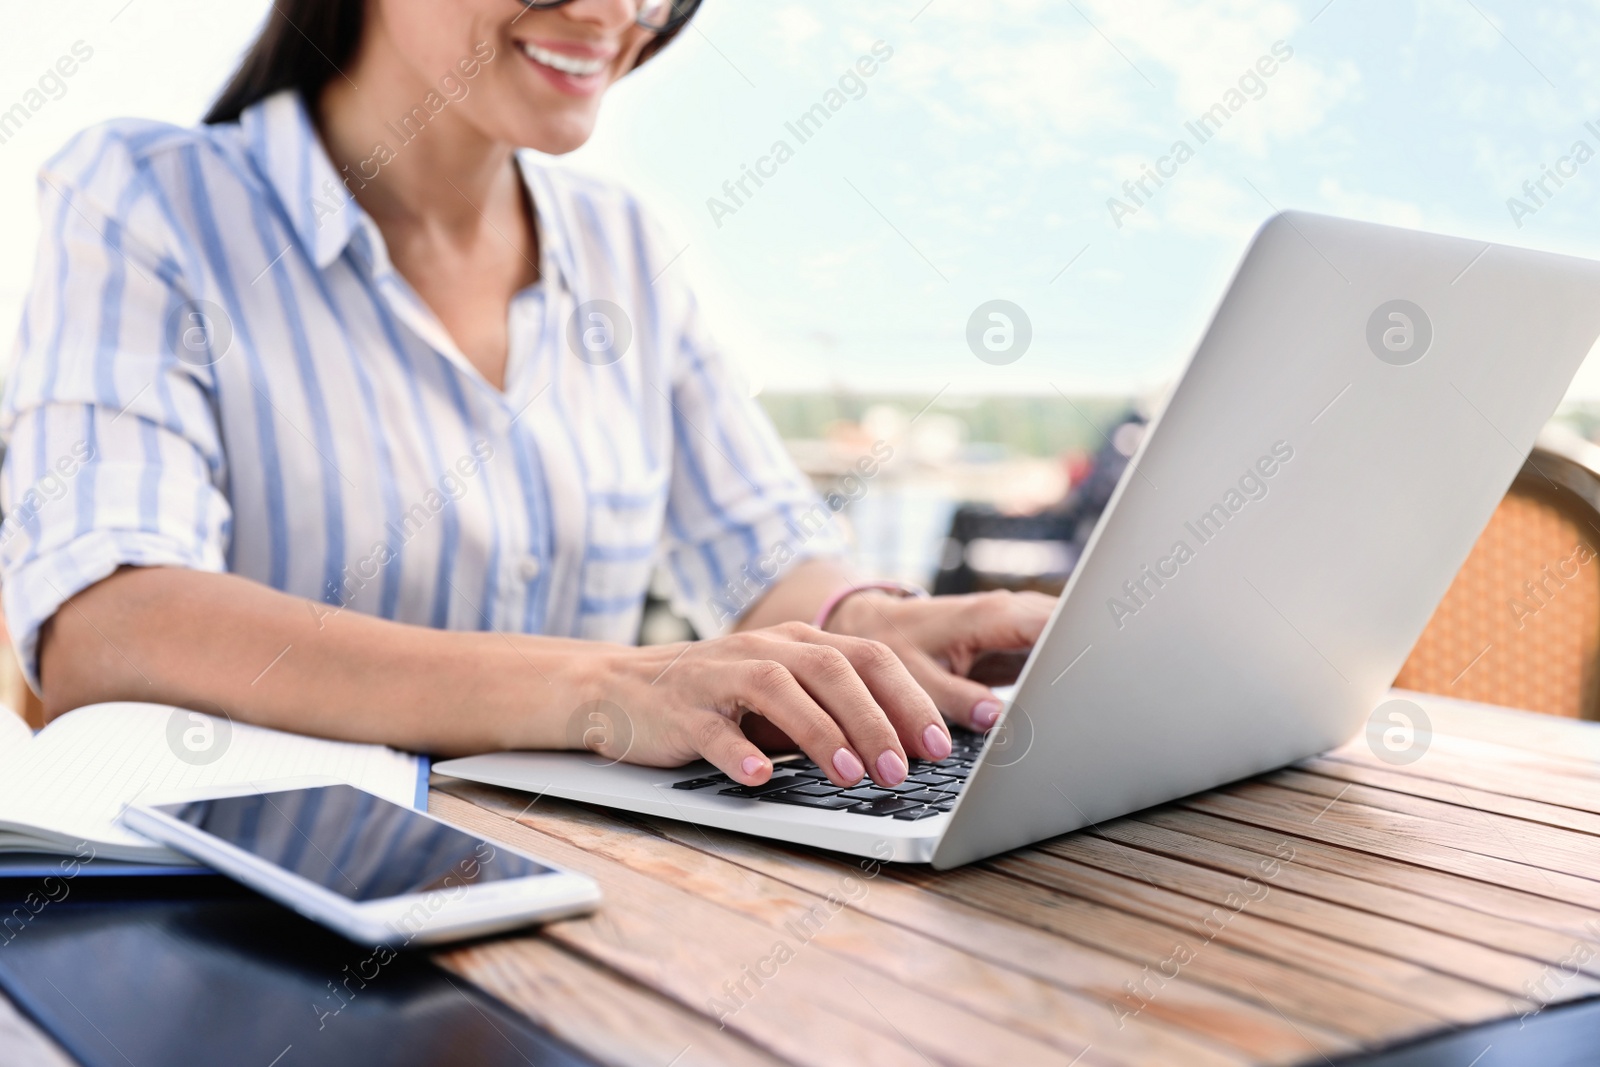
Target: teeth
{"points": [[564, 63]]}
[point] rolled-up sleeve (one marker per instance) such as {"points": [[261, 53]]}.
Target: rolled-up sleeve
{"points": [[740, 513], [113, 456]]}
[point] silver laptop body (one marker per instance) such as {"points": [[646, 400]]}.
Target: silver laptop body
{"points": [[1354, 413]]}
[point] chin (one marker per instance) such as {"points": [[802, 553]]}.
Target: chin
{"points": [[554, 138], [560, 142]]}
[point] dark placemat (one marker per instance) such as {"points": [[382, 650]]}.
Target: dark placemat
{"points": [[1566, 1035], [156, 971]]}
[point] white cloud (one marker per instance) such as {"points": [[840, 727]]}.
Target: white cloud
{"points": [[796, 26], [1207, 204], [797, 23], [1055, 81], [1368, 206]]}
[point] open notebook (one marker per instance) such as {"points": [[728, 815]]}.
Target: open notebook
{"points": [[62, 789]]}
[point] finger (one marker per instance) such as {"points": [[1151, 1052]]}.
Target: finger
{"points": [[764, 735], [961, 700], [965, 627], [769, 689], [1011, 620], [911, 711], [997, 667], [828, 675], [719, 740]]}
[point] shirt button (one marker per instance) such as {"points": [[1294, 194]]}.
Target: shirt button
{"points": [[529, 568]]}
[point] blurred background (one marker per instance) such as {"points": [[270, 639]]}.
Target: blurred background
{"points": [[996, 153]]}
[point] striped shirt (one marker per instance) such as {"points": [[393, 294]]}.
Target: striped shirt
{"points": [[219, 368]]}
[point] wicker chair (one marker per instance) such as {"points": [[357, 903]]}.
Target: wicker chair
{"points": [[1520, 625]]}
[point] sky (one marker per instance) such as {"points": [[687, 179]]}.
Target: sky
{"points": [[980, 160]]}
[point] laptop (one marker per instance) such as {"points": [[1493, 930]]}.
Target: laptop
{"points": [[1356, 409]]}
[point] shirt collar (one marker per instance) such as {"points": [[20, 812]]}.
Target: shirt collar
{"points": [[287, 150], [555, 245], [326, 217]]}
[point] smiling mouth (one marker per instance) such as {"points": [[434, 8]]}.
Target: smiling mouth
{"points": [[576, 66]]}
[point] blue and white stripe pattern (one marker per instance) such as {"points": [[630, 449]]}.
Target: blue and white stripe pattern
{"points": [[219, 368]]}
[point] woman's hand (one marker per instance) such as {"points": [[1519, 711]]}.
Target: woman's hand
{"points": [[847, 702], [940, 639]]}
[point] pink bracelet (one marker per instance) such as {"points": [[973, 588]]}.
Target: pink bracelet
{"points": [[831, 605]]}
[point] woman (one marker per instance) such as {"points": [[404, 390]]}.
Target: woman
{"points": [[342, 348]]}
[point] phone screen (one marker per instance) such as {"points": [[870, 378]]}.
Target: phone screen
{"points": [[356, 844]]}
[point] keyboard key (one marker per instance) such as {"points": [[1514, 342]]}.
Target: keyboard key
{"points": [[772, 786], [926, 796], [931, 779], [867, 792], [913, 814], [884, 806], [817, 789], [701, 783], [796, 796]]}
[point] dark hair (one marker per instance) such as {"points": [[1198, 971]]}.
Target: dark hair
{"points": [[304, 43]]}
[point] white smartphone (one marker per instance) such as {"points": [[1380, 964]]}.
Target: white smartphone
{"points": [[376, 872]]}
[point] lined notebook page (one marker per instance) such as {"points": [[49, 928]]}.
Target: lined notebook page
{"points": [[74, 777], [14, 732]]}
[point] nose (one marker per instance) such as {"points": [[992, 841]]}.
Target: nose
{"points": [[613, 15]]}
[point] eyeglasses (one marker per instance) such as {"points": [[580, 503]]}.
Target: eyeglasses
{"points": [[658, 16]]}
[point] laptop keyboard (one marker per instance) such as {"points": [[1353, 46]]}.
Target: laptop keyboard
{"points": [[930, 788]]}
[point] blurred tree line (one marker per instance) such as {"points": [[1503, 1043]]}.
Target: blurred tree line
{"points": [[1028, 425]]}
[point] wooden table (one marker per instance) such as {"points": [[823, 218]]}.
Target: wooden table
{"points": [[1340, 905], [1343, 904]]}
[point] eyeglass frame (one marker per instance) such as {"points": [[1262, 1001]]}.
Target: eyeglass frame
{"points": [[675, 23]]}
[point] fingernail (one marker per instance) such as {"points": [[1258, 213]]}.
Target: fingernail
{"points": [[848, 765], [752, 765], [891, 768], [936, 741], [985, 713]]}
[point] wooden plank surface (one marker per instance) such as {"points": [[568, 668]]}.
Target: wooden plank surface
{"points": [[1336, 906], [1342, 904], [1256, 1031]]}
